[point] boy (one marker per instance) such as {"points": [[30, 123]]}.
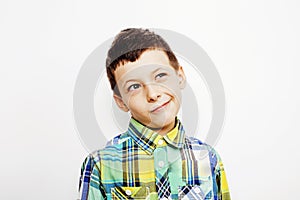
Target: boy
{"points": [[153, 159]]}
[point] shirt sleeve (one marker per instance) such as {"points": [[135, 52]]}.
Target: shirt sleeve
{"points": [[222, 185], [90, 186]]}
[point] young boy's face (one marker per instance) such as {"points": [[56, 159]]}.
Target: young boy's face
{"points": [[150, 89]]}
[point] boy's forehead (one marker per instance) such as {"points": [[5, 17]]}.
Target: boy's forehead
{"points": [[141, 71], [149, 62]]}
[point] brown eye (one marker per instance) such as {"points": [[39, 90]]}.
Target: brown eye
{"points": [[133, 87]]}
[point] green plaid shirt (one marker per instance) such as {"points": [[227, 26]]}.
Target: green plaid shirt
{"points": [[133, 163]]}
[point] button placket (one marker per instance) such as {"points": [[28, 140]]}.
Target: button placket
{"points": [[161, 164], [160, 159], [161, 172]]}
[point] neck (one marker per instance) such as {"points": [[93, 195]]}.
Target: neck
{"points": [[162, 130], [167, 128]]}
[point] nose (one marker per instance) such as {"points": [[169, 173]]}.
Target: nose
{"points": [[153, 93]]}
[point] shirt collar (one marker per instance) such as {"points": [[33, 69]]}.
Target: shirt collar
{"points": [[147, 138]]}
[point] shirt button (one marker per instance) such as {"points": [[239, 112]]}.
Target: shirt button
{"points": [[160, 142], [161, 164], [197, 190], [128, 192]]}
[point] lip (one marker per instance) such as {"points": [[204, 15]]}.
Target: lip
{"points": [[159, 108]]}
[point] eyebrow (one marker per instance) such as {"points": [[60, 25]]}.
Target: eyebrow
{"points": [[153, 72], [156, 70]]}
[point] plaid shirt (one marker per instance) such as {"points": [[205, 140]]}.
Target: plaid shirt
{"points": [[141, 164]]}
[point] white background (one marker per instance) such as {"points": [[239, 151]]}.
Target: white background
{"points": [[254, 45]]}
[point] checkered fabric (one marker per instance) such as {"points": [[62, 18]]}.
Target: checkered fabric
{"points": [[163, 186], [141, 164]]}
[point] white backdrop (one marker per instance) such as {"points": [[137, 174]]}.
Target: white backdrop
{"points": [[254, 45]]}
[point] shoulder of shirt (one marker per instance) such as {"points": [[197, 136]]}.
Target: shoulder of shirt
{"points": [[113, 147], [197, 144], [119, 139]]}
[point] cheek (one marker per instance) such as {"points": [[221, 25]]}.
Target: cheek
{"points": [[135, 102], [129, 98], [172, 86]]}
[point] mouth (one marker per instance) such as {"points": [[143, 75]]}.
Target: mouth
{"points": [[159, 108]]}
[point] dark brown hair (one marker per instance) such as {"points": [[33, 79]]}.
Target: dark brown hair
{"points": [[128, 46]]}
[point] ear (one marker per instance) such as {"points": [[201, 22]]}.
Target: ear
{"points": [[181, 77], [119, 101]]}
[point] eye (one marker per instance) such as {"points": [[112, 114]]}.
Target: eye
{"points": [[133, 87], [160, 75]]}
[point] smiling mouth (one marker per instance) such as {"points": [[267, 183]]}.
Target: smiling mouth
{"points": [[157, 109]]}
